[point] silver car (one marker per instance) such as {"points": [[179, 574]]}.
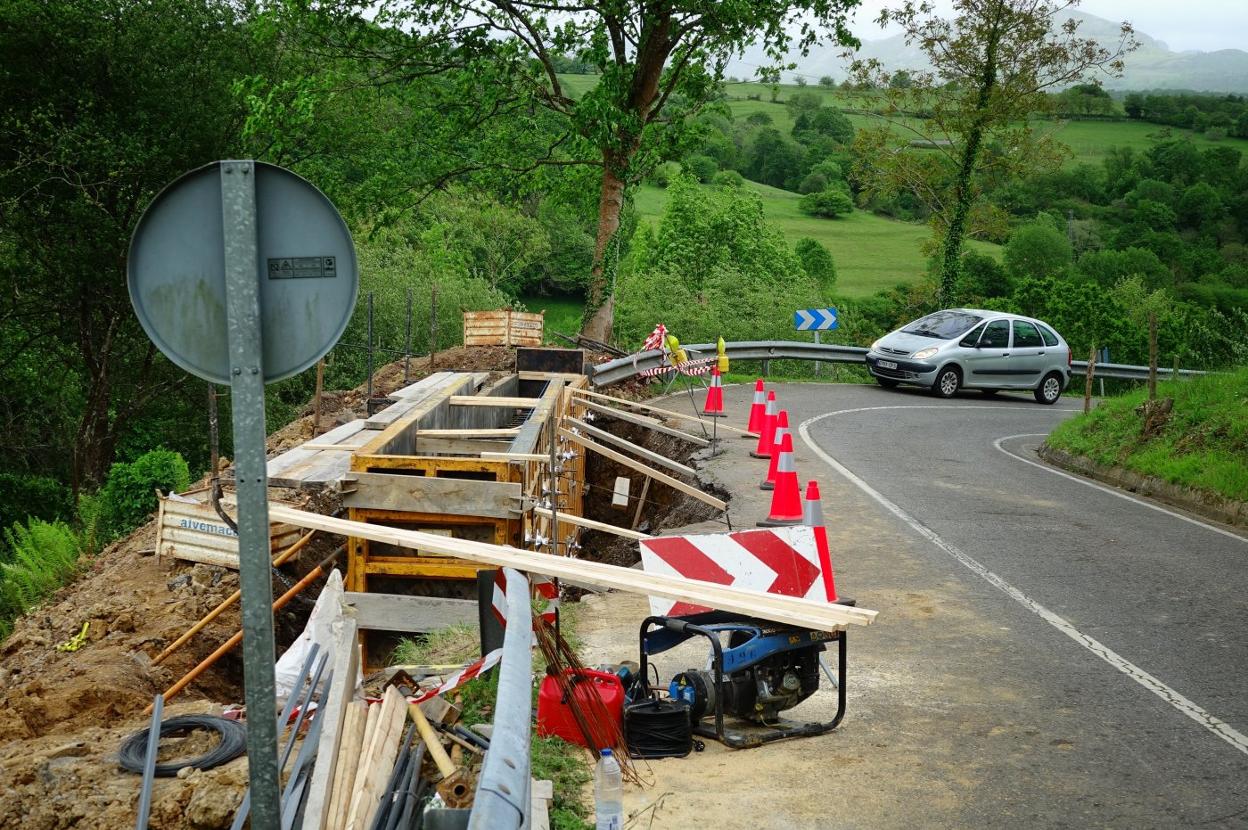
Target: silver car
{"points": [[973, 349]]}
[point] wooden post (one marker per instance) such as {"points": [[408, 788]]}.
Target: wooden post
{"points": [[1087, 386], [407, 341], [1174, 376], [320, 387], [507, 329], [433, 327], [1152, 355]]}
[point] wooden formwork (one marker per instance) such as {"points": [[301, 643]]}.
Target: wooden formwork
{"points": [[503, 328], [469, 466]]}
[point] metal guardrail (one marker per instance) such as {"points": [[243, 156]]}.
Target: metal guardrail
{"points": [[503, 800], [614, 371]]}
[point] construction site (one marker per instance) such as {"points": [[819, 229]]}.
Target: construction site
{"points": [[458, 500]]}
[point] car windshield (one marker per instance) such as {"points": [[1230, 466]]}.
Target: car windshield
{"points": [[943, 325]]}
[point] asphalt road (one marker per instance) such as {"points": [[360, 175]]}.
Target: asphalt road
{"points": [[1131, 618]]}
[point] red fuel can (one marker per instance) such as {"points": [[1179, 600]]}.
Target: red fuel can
{"points": [[555, 718]]}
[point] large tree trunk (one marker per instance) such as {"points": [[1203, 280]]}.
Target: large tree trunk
{"points": [[600, 299], [951, 264]]}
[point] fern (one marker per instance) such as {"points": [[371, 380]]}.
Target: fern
{"points": [[42, 556]]}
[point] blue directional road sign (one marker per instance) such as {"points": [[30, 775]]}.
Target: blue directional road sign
{"points": [[815, 319]]}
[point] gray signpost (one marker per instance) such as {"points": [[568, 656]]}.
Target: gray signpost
{"points": [[244, 273]]}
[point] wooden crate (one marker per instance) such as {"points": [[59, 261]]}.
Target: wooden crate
{"points": [[503, 328], [190, 529]]}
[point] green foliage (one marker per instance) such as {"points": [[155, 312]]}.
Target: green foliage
{"points": [[37, 559], [129, 494], [728, 178], [828, 204], [983, 277], [714, 267], [1037, 249], [25, 495], [817, 263], [703, 168], [567, 767], [1199, 206], [1204, 444]]}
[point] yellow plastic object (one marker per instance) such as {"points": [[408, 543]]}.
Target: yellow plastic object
{"points": [[77, 641], [722, 362], [679, 355]]}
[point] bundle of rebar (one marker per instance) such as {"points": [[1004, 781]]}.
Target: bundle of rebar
{"points": [[595, 722]]}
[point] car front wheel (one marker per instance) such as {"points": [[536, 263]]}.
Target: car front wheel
{"points": [[947, 382], [1049, 390]]}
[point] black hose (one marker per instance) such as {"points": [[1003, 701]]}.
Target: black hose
{"points": [[233, 744]]}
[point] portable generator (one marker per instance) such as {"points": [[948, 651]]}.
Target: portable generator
{"points": [[762, 669]]}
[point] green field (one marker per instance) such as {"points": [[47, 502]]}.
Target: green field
{"points": [[871, 253], [563, 315]]}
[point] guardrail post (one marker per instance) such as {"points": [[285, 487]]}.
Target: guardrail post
{"points": [[503, 800]]}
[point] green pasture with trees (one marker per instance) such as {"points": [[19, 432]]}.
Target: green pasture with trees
{"points": [[590, 159]]}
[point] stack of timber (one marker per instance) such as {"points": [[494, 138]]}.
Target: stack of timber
{"points": [[503, 328]]}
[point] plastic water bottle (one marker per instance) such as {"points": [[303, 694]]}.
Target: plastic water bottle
{"points": [[608, 793]]}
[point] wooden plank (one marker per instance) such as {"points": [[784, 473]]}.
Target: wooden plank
{"points": [[335, 706], [675, 483], [549, 375], [396, 612], [590, 524], [500, 432], [495, 400], [460, 446], [526, 440], [345, 766], [649, 408], [643, 421], [517, 457], [191, 553], [377, 762], [397, 410], [423, 494], [392, 434], [619, 494], [540, 797], [344, 799], [422, 386], [629, 446], [822, 616]]}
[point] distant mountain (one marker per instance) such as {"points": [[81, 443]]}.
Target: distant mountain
{"points": [[1152, 66]]}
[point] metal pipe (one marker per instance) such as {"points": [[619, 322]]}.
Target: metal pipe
{"points": [[149, 763], [503, 799]]}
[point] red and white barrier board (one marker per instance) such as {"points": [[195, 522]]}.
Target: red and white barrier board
{"points": [[782, 560]]}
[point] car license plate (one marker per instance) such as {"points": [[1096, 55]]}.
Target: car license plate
{"points": [[886, 364]]}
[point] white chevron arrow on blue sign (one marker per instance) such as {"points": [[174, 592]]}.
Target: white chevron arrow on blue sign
{"points": [[814, 319]]}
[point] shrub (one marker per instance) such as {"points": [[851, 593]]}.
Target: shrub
{"points": [[728, 178], [817, 263], [39, 558], [829, 203], [813, 183], [23, 495], [703, 168], [1037, 249], [664, 173], [129, 495]]}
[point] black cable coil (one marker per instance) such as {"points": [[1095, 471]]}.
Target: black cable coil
{"points": [[233, 744], [658, 729]]}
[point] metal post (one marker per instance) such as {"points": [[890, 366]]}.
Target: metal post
{"points": [[368, 398], [407, 339], [818, 342], [242, 300], [503, 797], [433, 327]]}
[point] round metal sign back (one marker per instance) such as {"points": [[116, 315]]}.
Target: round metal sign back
{"points": [[305, 266]]}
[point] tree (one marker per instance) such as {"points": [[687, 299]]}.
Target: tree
{"points": [[827, 81], [900, 80], [1149, 308], [826, 122], [829, 203], [1037, 249], [802, 102], [658, 63], [817, 263], [994, 63], [1199, 206]]}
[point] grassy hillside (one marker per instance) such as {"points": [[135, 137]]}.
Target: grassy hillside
{"points": [[1204, 444], [871, 252]]}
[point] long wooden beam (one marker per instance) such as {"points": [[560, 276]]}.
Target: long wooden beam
{"points": [[494, 400], [645, 407], [643, 421], [590, 524], [821, 616], [501, 432], [674, 483], [629, 446]]}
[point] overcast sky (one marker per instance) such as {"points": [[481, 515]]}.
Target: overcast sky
{"points": [[1206, 25]]}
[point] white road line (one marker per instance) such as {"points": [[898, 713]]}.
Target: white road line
{"points": [[1228, 534], [1215, 725]]}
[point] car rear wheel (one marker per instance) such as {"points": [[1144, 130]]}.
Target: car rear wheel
{"points": [[1050, 389], [887, 383], [948, 380]]}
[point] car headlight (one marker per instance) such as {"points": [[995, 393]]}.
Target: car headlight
{"points": [[924, 354], [875, 347]]}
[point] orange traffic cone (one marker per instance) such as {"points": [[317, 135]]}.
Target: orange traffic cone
{"points": [[714, 405], [766, 435], [757, 408], [782, 429], [786, 499], [812, 516]]}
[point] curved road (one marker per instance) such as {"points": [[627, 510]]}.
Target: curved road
{"points": [[1141, 610]]}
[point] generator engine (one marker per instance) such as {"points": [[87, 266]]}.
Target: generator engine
{"points": [[758, 692]]}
